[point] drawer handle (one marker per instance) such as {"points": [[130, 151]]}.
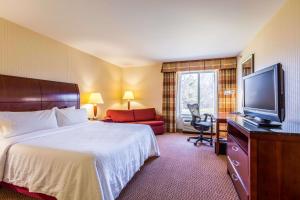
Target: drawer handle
{"points": [[235, 163], [234, 148], [234, 177]]}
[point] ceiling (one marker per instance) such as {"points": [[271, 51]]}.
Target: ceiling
{"points": [[142, 32]]}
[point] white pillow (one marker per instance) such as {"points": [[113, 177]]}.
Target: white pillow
{"points": [[18, 123], [66, 117]]}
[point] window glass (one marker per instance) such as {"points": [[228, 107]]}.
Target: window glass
{"points": [[188, 91], [198, 87], [207, 92]]}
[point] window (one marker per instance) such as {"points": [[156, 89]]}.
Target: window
{"points": [[198, 87]]}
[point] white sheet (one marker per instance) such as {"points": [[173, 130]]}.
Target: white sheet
{"points": [[90, 161]]}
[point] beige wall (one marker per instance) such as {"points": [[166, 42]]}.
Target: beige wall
{"points": [[146, 82], [26, 53], [279, 41]]}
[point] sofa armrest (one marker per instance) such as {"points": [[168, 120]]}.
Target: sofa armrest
{"points": [[159, 118], [107, 119]]}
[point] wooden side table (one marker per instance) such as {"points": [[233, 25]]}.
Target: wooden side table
{"points": [[221, 118]]}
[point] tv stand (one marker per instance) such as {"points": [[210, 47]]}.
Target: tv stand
{"points": [[263, 163], [261, 122]]}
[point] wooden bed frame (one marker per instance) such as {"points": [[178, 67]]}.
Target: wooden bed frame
{"points": [[27, 94]]}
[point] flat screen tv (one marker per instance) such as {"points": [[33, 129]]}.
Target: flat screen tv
{"points": [[263, 100]]}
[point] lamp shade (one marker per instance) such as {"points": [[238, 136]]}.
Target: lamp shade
{"points": [[96, 98], [128, 95]]}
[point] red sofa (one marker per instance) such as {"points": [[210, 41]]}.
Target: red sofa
{"points": [[146, 116]]}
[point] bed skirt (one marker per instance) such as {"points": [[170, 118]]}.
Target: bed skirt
{"points": [[25, 191]]}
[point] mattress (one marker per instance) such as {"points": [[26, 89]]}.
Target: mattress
{"points": [[93, 160]]}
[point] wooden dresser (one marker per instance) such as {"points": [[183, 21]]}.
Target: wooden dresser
{"points": [[264, 163]]}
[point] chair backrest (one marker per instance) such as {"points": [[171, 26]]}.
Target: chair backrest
{"points": [[197, 122], [194, 109]]}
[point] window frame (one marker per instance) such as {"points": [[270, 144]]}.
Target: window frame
{"points": [[198, 72]]}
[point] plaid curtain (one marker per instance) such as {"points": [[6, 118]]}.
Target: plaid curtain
{"points": [[169, 87], [227, 85], [227, 90]]}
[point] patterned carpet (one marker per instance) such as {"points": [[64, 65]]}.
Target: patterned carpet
{"points": [[183, 172]]}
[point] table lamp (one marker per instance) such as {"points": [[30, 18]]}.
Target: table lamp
{"points": [[128, 95], [95, 99]]}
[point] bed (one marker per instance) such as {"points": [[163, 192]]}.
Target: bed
{"points": [[91, 160]]}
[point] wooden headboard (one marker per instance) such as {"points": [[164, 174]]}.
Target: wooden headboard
{"points": [[27, 94]]}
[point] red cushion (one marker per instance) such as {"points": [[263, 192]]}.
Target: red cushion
{"points": [[121, 115], [151, 123], [144, 114], [158, 130]]}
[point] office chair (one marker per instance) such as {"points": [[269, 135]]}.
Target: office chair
{"points": [[201, 124]]}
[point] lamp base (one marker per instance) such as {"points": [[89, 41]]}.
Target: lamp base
{"points": [[128, 105], [95, 111]]}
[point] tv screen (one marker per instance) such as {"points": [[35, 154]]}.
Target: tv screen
{"points": [[264, 94], [260, 91]]}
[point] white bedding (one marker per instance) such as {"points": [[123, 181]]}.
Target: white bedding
{"points": [[93, 160]]}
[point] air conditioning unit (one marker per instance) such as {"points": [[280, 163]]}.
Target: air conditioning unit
{"points": [[187, 127]]}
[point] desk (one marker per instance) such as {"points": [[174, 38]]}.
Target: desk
{"points": [[221, 118]]}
